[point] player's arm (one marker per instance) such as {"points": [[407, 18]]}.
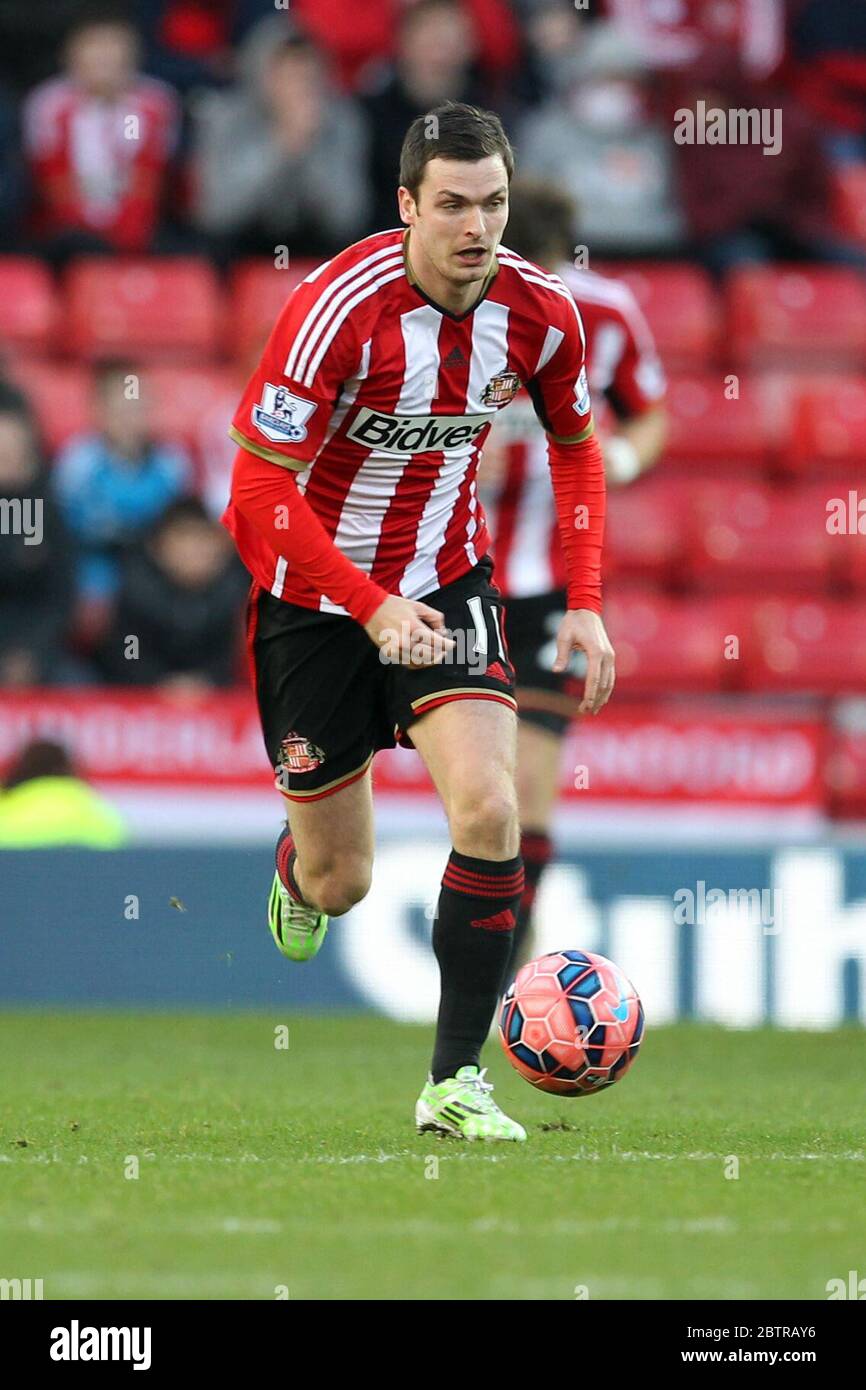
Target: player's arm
{"points": [[561, 397], [637, 396], [636, 446], [266, 494]]}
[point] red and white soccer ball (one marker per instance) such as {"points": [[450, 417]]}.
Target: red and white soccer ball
{"points": [[571, 1023]]}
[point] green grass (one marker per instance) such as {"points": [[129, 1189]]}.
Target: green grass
{"points": [[260, 1167]]}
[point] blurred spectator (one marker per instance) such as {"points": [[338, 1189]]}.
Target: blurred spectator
{"points": [[603, 145], [12, 182], [35, 556], [281, 160], [43, 803], [553, 32], [360, 37], [182, 599], [744, 36], [744, 206], [192, 43], [829, 56], [435, 51], [99, 141], [188, 43], [114, 483]]}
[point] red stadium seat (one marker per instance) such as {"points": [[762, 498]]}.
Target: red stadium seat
{"points": [[60, 394], [827, 429], [144, 310], [711, 427], [681, 307], [669, 645], [816, 646], [27, 305], [746, 537], [814, 314], [832, 506], [185, 396], [258, 292], [646, 530]]}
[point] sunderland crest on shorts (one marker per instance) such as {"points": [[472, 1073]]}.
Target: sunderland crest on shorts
{"points": [[298, 754], [501, 389]]}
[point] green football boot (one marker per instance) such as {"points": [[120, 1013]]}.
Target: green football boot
{"points": [[297, 929], [462, 1105]]}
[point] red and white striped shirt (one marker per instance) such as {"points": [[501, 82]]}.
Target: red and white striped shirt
{"points": [[381, 402], [626, 378]]}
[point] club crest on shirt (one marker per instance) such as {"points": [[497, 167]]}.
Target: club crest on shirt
{"points": [[501, 389], [298, 754], [282, 417]]}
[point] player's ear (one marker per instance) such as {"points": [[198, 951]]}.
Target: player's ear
{"points": [[406, 204]]}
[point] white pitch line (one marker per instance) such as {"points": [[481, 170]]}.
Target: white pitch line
{"points": [[446, 1152]]}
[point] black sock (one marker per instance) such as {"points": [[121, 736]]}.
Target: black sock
{"points": [[536, 849], [286, 857], [472, 941]]}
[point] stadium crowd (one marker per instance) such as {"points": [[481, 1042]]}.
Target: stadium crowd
{"points": [[213, 137]]}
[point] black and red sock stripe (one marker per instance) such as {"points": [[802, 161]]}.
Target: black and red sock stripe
{"points": [[536, 849], [476, 894], [488, 881], [285, 857]]}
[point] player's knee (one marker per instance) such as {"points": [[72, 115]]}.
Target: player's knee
{"points": [[486, 824], [336, 887]]}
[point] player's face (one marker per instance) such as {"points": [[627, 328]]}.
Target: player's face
{"points": [[459, 217]]}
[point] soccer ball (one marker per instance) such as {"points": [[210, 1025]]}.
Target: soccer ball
{"points": [[571, 1023]]}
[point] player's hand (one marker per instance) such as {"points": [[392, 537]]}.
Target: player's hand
{"points": [[582, 630], [621, 461], [409, 633]]}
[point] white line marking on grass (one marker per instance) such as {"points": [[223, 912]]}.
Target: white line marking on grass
{"points": [[449, 1151]]}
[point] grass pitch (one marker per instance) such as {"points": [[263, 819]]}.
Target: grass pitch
{"points": [[265, 1170]]}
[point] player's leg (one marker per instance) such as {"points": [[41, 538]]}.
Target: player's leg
{"points": [[317, 681], [469, 747], [539, 751], [325, 853]]}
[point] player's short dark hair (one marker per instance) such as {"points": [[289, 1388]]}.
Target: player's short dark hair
{"points": [[542, 221], [452, 131]]}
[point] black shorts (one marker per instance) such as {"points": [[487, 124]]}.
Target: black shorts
{"points": [[548, 700], [328, 702]]}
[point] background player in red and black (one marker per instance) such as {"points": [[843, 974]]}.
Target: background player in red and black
{"points": [[628, 388]]}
